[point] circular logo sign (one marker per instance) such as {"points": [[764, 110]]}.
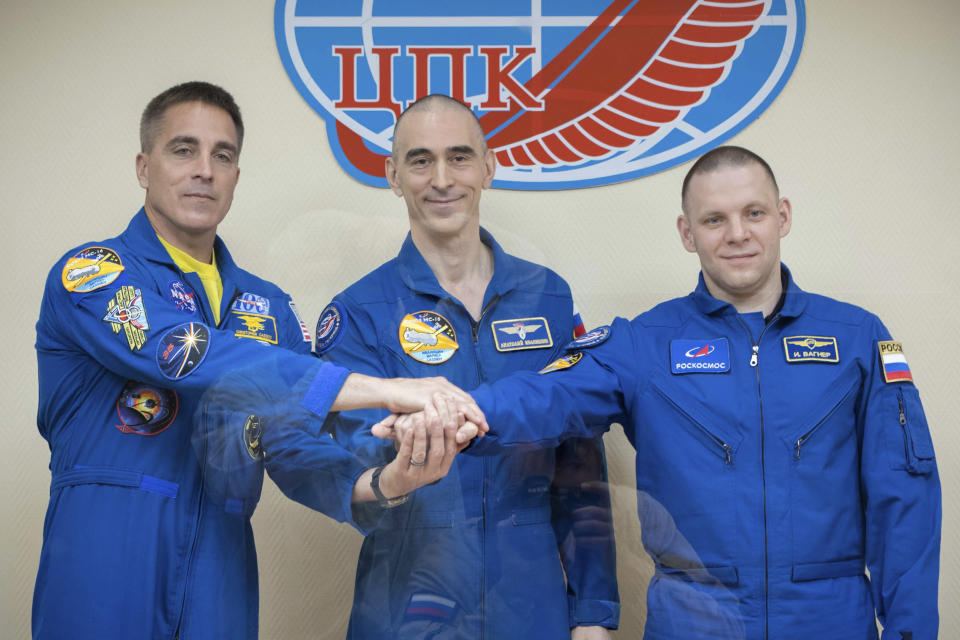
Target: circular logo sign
{"points": [[428, 337], [570, 94], [145, 410]]}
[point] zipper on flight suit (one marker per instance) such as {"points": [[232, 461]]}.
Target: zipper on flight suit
{"points": [[723, 446], [475, 334], [806, 436], [203, 472], [754, 363]]}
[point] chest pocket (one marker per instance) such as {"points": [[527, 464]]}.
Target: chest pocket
{"points": [[835, 407], [701, 423]]}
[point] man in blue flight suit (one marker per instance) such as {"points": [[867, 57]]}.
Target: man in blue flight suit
{"points": [[476, 554], [781, 445], [147, 533]]}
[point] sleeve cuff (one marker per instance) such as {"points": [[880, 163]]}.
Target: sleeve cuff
{"points": [[603, 613], [323, 390]]}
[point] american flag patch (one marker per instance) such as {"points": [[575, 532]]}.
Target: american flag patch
{"points": [[895, 367], [429, 606]]}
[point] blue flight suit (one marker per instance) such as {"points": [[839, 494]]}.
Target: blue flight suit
{"points": [[775, 462], [474, 555], [147, 532]]}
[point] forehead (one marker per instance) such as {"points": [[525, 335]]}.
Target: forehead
{"points": [[198, 120], [437, 129], [730, 186]]}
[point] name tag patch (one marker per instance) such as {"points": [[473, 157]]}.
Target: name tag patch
{"points": [[811, 349], [521, 333], [256, 326], [699, 356]]}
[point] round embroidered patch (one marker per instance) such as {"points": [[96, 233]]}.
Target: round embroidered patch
{"points": [[428, 337], [590, 339], [90, 269], [182, 349], [182, 297], [146, 410], [329, 327], [252, 430]]}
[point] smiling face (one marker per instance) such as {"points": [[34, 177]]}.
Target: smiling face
{"points": [[440, 167], [734, 220], [190, 174]]}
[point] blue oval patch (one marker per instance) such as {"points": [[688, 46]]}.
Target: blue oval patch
{"points": [[182, 349], [329, 327], [590, 339], [182, 297]]}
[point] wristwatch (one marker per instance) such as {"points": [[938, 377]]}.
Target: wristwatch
{"points": [[383, 500]]}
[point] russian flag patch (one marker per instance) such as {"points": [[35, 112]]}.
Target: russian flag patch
{"points": [[895, 367], [430, 606]]}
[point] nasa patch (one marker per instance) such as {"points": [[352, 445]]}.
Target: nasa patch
{"points": [[182, 349], [91, 269], [329, 327], [303, 325], [428, 337], [699, 356], [251, 303], [182, 297], [251, 432], [590, 339], [563, 362], [255, 326], [811, 349], [569, 94], [146, 410], [126, 311], [521, 333]]}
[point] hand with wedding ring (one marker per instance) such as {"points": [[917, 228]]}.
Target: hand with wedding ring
{"points": [[425, 450]]}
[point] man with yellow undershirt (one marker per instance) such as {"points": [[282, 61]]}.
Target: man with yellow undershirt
{"points": [[147, 533]]}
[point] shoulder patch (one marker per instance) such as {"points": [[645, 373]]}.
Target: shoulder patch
{"points": [[893, 362], [590, 339], [91, 269], [303, 325], [428, 337], [126, 311], [330, 327], [251, 303], [182, 349], [182, 296], [563, 362], [521, 333], [811, 349], [252, 430], [699, 356]]}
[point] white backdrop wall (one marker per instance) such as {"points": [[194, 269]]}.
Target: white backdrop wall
{"points": [[863, 138]]}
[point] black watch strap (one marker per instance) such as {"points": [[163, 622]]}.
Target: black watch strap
{"points": [[383, 500]]}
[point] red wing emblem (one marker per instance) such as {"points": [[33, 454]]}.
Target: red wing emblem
{"points": [[639, 69]]}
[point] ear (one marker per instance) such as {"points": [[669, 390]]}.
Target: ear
{"points": [[785, 214], [489, 168], [686, 233], [141, 165], [390, 168]]}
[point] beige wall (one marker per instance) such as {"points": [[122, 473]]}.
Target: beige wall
{"points": [[864, 139]]}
